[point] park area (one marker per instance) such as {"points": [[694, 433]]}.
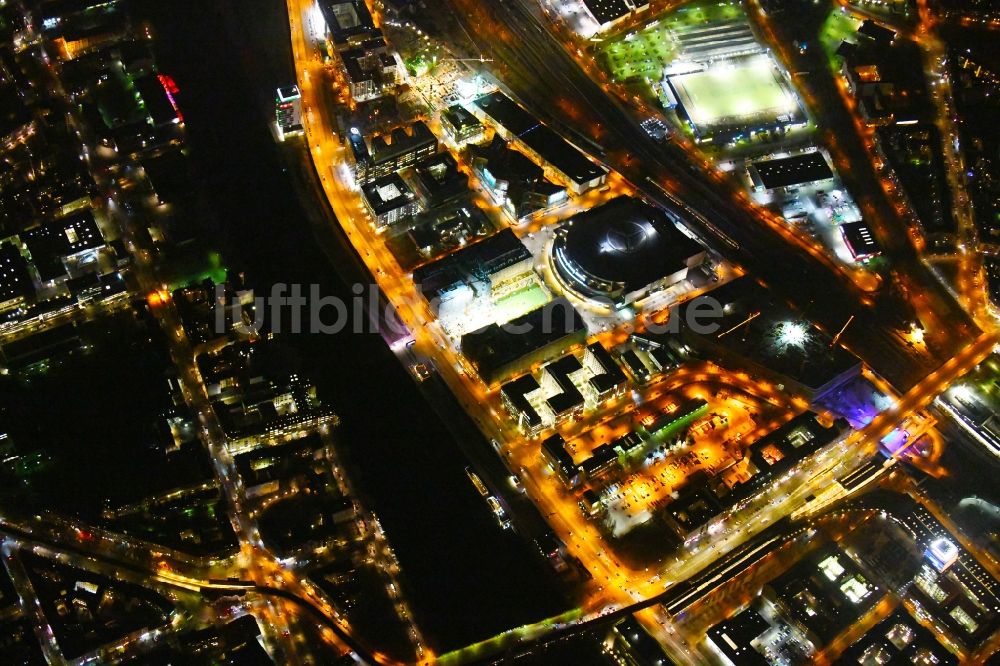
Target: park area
{"points": [[838, 27], [644, 53], [531, 297]]}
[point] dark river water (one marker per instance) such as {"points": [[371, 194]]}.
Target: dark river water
{"points": [[466, 579]]}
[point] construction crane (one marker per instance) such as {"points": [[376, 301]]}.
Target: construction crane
{"points": [[739, 325], [836, 338]]}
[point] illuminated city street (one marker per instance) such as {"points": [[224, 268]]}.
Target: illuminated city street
{"points": [[536, 331]]}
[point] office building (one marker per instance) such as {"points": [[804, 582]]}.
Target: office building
{"points": [[942, 553], [372, 70], [823, 595], [476, 267], [515, 183], [57, 247], [555, 454], [389, 200], [734, 640], [288, 111], [898, 639], [384, 154], [15, 281], [515, 398], [79, 28], [440, 180], [564, 399], [606, 377], [461, 125], [348, 23]]}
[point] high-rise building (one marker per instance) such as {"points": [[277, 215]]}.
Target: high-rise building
{"points": [[288, 111]]}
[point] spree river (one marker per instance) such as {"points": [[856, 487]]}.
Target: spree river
{"points": [[466, 580]]}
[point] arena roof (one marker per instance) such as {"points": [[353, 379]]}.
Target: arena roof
{"points": [[626, 243]]}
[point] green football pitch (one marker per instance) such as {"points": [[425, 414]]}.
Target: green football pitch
{"points": [[519, 303], [741, 89]]}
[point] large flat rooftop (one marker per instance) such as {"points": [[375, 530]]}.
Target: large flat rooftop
{"points": [[789, 171], [483, 258], [550, 146], [498, 352], [860, 240], [716, 40], [606, 11], [400, 141], [755, 327], [348, 19]]}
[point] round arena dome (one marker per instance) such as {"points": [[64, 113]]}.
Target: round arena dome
{"points": [[620, 250]]}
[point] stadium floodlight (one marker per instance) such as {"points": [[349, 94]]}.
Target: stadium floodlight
{"points": [[792, 334], [467, 89], [962, 393]]}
